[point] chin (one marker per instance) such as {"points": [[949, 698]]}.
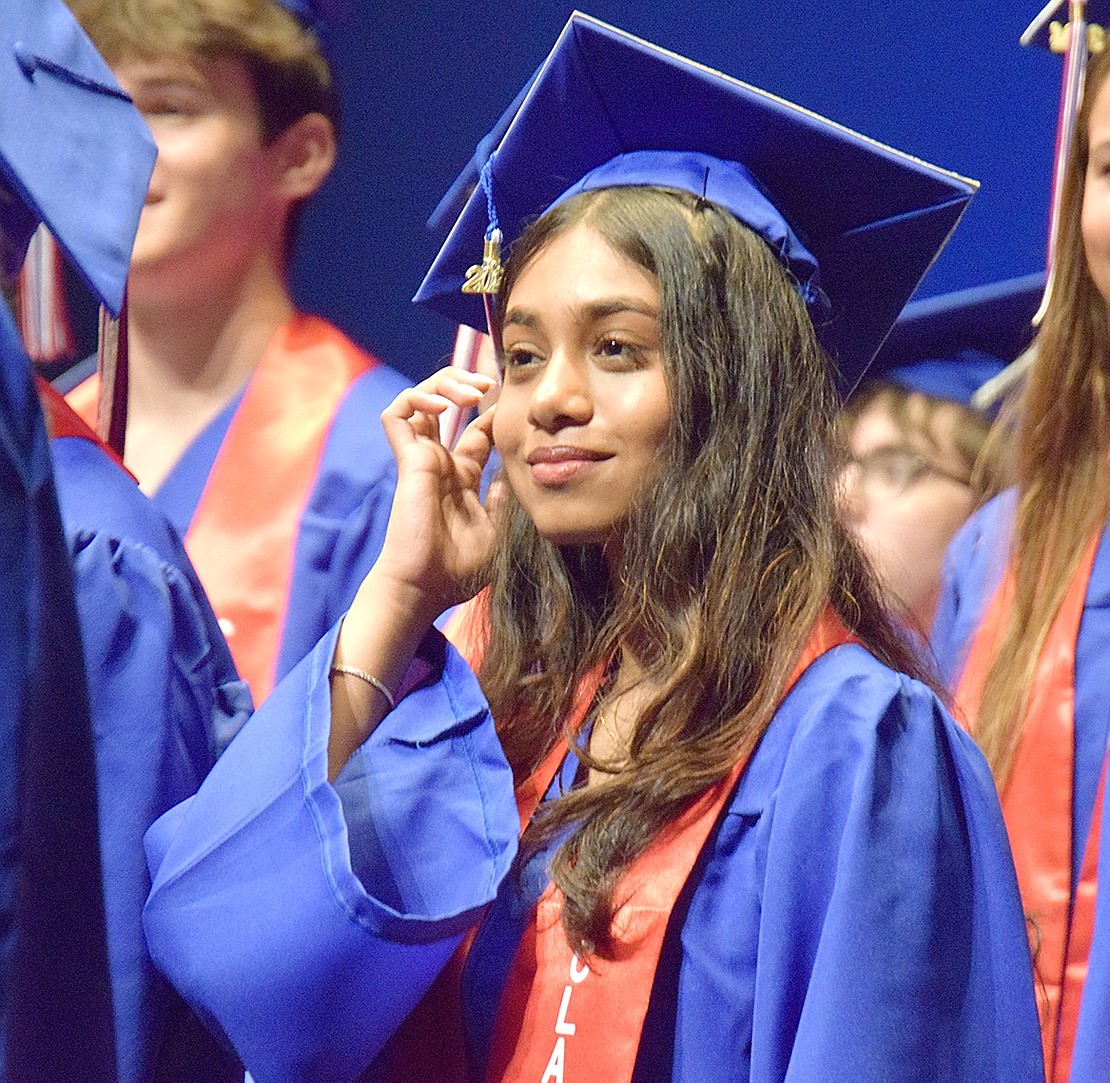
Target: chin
{"points": [[564, 534]]}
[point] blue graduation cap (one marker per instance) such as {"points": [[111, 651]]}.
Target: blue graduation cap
{"points": [[857, 222], [951, 345], [314, 13], [74, 151]]}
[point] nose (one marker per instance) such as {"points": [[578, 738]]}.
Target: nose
{"points": [[561, 397]]}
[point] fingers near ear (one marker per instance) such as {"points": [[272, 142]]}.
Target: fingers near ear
{"points": [[476, 441], [473, 448]]}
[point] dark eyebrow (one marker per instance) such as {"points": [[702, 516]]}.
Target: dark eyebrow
{"points": [[597, 310]]}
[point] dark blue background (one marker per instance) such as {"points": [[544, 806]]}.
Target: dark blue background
{"points": [[945, 80]]}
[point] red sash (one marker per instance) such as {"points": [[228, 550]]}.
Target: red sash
{"points": [[244, 531], [1037, 805], [83, 399], [563, 1019], [537, 1013], [60, 418]]}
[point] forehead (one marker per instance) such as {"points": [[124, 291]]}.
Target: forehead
{"points": [[218, 73], [218, 85], [581, 261]]}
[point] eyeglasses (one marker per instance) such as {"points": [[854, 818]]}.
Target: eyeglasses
{"points": [[892, 471]]}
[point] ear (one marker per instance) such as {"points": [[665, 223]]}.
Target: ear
{"points": [[307, 150]]}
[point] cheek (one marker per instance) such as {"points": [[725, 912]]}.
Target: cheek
{"points": [[507, 422], [214, 158], [651, 418], [1096, 222], [924, 531]]}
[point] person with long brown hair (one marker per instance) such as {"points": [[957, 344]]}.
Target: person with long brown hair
{"points": [[1022, 630], [755, 845]]}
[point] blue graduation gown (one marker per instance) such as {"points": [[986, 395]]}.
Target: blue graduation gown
{"points": [[974, 566], [343, 526], [165, 701], [306, 921], [55, 1006], [1091, 1059], [855, 915]]}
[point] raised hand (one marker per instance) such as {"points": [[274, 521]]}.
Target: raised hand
{"points": [[439, 537]]}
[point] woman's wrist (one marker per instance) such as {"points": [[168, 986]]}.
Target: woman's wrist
{"points": [[377, 641]]}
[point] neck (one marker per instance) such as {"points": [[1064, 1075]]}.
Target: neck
{"points": [[180, 348], [189, 356]]}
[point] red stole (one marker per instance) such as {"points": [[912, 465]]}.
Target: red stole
{"points": [[1037, 805], [537, 1012], [61, 419], [83, 400], [564, 1019], [243, 534]]}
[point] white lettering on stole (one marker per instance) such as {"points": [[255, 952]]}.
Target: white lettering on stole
{"points": [[561, 1024], [564, 1029], [554, 1069]]}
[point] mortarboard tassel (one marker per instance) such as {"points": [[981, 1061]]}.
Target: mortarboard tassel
{"points": [[1077, 40], [486, 277], [44, 322], [111, 408], [1076, 52]]}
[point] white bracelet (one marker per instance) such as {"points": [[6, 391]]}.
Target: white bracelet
{"points": [[362, 675]]}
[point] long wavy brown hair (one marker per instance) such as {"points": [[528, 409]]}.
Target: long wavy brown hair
{"points": [[727, 562], [1060, 460]]}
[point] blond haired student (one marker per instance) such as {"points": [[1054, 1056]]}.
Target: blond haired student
{"points": [[245, 417]]}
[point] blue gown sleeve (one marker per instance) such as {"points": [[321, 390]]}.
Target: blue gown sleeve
{"points": [[1092, 1040], [856, 915], [892, 943], [305, 921], [165, 699]]}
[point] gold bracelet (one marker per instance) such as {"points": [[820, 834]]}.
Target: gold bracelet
{"points": [[362, 675]]}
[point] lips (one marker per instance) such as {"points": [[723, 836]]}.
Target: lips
{"points": [[556, 467], [564, 454]]}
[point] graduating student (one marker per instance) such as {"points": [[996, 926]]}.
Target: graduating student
{"points": [[1022, 629], [755, 846], [919, 457], [55, 999], [246, 420], [163, 694]]}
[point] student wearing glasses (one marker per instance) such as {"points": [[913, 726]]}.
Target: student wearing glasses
{"points": [[919, 459]]}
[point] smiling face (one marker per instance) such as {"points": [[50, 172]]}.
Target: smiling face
{"points": [[584, 408], [215, 196]]}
